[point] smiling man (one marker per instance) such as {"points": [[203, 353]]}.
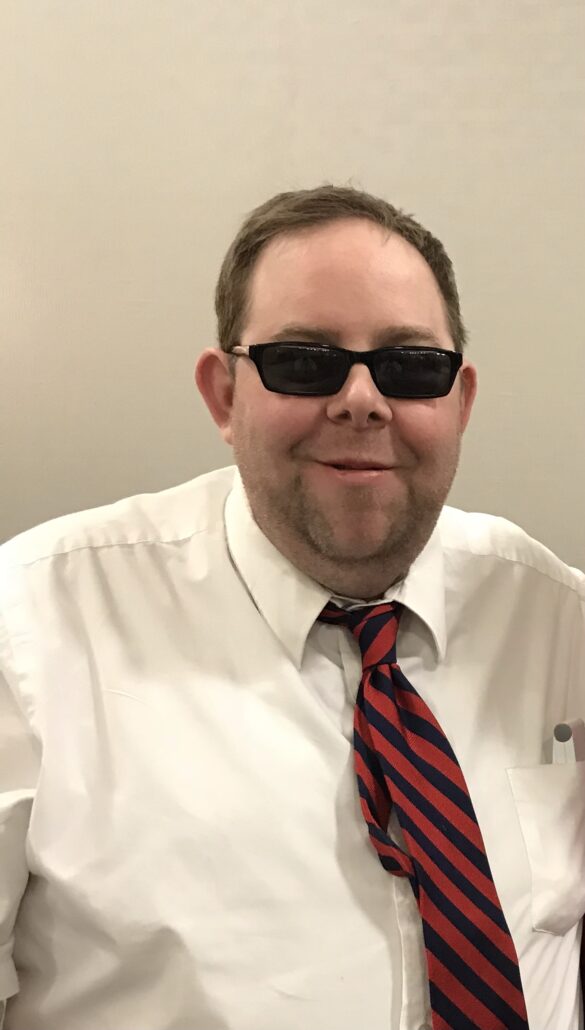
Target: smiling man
{"points": [[348, 486], [296, 745]]}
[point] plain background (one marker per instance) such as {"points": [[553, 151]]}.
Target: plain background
{"points": [[136, 134]]}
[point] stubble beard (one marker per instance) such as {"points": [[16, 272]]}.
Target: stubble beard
{"points": [[296, 523]]}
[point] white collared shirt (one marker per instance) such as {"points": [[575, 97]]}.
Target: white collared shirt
{"points": [[181, 844]]}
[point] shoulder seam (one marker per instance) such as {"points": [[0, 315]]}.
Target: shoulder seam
{"points": [[517, 561], [101, 547]]}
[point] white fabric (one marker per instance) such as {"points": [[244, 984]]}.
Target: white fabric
{"points": [[181, 845]]}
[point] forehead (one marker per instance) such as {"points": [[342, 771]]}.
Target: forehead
{"points": [[350, 277]]}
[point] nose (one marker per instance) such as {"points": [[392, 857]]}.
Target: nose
{"points": [[359, 401]]}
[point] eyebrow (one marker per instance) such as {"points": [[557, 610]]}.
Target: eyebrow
{"points": [[393, 336]]}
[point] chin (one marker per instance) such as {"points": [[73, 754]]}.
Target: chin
{"points": [[355, 546]]}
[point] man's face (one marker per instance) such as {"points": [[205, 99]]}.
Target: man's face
{"points": [[352, 283]]}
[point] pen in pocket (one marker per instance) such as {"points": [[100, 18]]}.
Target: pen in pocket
{"points": [[568, 742]]}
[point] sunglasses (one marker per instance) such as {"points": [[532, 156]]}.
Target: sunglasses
{"points": [[314, 370]]}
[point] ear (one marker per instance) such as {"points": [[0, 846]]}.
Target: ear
{"points": [[467, 392], [216, 386]]}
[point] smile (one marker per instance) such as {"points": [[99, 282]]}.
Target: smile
{"points": [[354, 475]]}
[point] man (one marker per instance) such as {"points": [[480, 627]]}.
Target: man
{"points": [[201, 826]]}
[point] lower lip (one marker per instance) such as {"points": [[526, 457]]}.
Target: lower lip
{"points": [[357, 476]]}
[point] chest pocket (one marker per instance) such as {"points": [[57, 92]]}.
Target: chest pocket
{"points": [[550, 801]]}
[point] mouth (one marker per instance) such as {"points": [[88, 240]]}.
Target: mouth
{"points": [[354, 473], [354, 464], [357, 468]]}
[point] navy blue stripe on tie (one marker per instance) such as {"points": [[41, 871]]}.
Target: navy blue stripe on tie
{"points": [[380, 835], [435, 816], [454, 875], [453, 1016], [381, 681], [457, 965], [372, 623], [370, 759], [424, 729], [470, 930], [473, 970], [365, 794], [429, 771]]}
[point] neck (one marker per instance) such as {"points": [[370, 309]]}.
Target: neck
{"points": [[366, 579], [364, 591]]}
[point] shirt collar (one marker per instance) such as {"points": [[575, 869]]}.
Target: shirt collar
{"points": [[290, 601]]}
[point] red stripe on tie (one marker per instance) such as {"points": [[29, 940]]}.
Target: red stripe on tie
{"points": [[460, 996], [414, 703], [456, 896], [386, 848], [432, 754], [492, 976], [449, 850], [380, 647], [446, 808], [439, 1023], [376, 629], [378, 796], [380, 609], [392, 851]]}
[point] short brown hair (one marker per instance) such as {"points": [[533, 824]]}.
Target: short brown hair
{"points": [[302, 209]]}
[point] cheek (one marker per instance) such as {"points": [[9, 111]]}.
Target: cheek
{"points": [[428, 428], [280, 424]]}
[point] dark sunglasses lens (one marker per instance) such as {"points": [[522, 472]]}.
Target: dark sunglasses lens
{"points": [[289, 368], [415, 373]]}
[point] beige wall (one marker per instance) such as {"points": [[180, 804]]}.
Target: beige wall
{"points": [[136, 134]]}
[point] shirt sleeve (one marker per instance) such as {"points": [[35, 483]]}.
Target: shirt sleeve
{"points": [[18, 774]]}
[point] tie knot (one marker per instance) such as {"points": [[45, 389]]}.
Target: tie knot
{"points": [[375, 628]]}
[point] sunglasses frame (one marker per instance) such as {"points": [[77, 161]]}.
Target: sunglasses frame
{"points": [[348, 358]]}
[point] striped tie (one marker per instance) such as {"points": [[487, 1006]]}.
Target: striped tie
{"points": [[403, 760]]}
